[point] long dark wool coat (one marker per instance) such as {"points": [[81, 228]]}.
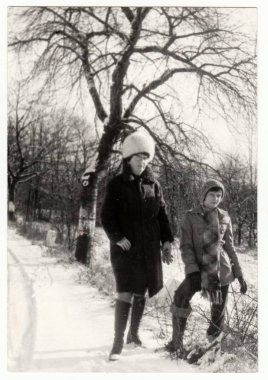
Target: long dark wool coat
{"points": [[134, 208]]}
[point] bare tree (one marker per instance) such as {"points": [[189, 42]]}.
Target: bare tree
{"points": [[242, 197], [35, 136], [28, 143], [62, 182], [130, 59]]}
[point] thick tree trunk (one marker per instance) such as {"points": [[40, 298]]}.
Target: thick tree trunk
{"points": [[87, 219], [89, 195]]}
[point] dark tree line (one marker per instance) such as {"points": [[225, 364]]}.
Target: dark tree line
{"points": [[53, 193]]}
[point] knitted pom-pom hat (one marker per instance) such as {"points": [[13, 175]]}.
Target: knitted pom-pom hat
{"points": [[138, 142], [209, 184]]}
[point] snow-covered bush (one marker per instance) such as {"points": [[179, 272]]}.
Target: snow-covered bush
{"points": [[100, 273], [36, 231], [241, 319]]}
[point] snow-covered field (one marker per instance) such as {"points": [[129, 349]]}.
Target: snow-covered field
{"points": [[59, 322]]}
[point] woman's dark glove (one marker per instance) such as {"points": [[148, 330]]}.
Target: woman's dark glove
{"points": [[243, 285], [166, 253], [195, 280]]}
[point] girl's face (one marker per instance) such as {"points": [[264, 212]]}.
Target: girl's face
{"points": [[138, 163], [213, 199]]}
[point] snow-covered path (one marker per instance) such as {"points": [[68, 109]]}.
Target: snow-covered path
{"points": [[58, 325]]}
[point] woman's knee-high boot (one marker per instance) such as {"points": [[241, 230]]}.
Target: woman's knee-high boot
{"points": [[121, 317], [136, 315]]}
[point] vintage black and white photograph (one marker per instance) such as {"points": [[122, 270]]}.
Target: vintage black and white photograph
{"points": [[132, 234]]}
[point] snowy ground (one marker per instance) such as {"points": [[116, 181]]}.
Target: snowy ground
{"points": [[58, 325]]}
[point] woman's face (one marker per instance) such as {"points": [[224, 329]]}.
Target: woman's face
{"points": [[213, 199], [138, 163]]}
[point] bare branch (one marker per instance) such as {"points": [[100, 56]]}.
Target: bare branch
{"points": [[152, 86], [128, 13]]}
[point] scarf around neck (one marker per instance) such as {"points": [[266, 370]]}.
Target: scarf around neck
{"points": [[210, 273]]}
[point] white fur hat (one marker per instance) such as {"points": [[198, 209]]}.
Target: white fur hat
{"points": [[138, 142]]}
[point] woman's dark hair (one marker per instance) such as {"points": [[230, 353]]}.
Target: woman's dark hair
{"points": [[215, 188], [125, 165]]}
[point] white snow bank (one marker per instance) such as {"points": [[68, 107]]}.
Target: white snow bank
{"points": [[57, 325]]}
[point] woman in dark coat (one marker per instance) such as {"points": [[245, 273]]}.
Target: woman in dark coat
{"points": [[135, 220]]}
